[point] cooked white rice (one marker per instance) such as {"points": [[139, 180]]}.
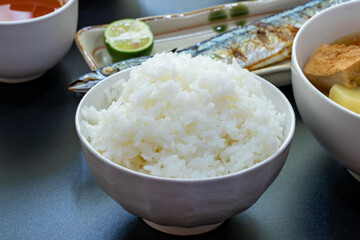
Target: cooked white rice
{"points": [[183, 117]]}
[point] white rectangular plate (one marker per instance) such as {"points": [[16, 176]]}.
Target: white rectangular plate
{"points": [[177, 31]]}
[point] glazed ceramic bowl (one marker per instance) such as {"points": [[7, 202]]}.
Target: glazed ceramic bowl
{"points": [[336, 128], [180, 206], [28, 48]]}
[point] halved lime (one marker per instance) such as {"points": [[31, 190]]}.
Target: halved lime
{"points": [[128, 38]]}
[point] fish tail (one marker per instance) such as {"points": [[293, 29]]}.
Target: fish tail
{"points": [[87, 81]]}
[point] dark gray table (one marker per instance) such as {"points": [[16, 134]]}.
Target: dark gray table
{"points": [[47, 191]]}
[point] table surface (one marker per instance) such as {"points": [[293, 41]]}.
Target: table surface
{"points": [[48, 192]]}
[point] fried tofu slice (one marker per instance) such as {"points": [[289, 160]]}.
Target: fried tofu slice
{"points": [[334, 64]]}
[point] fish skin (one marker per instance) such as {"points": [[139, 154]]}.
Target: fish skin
{"points": [[262, 43], [267, 39]]}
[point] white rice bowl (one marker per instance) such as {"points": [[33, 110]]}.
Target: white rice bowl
{"points": [[183, 117]]}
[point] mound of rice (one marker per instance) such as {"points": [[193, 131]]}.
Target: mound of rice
{"points": [[183, 117]]}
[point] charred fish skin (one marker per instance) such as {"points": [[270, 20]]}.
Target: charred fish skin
{"points": [[262, 43]]}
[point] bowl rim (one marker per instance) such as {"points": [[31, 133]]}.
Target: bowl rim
{"points": [[295, 62], [285, 143], [63, 8]]}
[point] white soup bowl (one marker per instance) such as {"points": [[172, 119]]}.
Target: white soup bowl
{"points": [[336, 128], [28, 48]]}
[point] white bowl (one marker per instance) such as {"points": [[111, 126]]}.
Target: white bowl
{"points": [[28, 48], [336, 128], [180, 206]]}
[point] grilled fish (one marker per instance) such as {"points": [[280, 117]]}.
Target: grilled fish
{"points": [[262, 43]]}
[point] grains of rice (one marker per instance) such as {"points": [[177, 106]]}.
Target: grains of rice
{"points": [[183, 117]]}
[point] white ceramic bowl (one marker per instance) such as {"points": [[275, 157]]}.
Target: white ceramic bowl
{"points": [[28, 48], [336, 128], [180, 206]]}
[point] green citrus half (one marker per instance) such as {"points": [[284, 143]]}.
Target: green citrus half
{"points": [[128, 38]]}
